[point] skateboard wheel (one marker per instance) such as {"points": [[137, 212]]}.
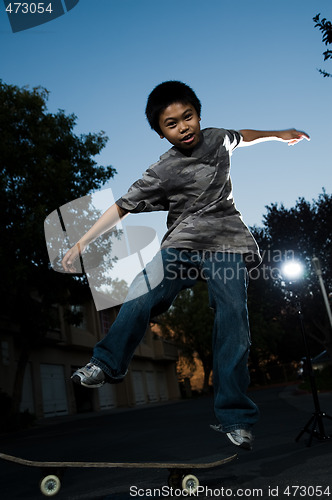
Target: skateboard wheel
{"points": [[190, 484], [50, 485]]}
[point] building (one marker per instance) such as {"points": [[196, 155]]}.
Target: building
{"points": [[48, 390]]}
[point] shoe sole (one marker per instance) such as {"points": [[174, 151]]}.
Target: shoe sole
{"points": [[244, 445], [77, 380]]}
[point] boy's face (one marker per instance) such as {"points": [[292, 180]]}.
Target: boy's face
{"points": [[180, 125]]}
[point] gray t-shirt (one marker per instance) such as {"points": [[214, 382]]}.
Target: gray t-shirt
{"points": [[197, 193]]}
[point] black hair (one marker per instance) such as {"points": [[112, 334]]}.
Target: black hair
{"points": [[167, 93]]}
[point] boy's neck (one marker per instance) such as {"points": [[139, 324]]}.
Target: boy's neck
{"points": [[186, 152]]}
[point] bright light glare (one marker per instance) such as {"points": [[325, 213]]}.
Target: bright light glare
{"points": [[292, 269]]}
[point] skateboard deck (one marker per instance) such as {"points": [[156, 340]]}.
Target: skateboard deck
{"points": [[179, 477]]}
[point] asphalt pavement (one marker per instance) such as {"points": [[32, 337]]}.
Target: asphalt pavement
{"points": [[277, 467]]}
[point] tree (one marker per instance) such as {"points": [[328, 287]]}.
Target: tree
{"points": [[43, 165], [265, 298], [299, 232], [189, 322], [326, 28]]}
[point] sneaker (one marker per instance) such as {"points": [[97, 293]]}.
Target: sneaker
{"points": [[89, 376], [240, 437]]}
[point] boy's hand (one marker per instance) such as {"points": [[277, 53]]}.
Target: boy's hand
{"points": [[293, 136], [70, 258]]}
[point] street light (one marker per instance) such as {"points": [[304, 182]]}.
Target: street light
{"points": [[318, 270], [292, 271]]}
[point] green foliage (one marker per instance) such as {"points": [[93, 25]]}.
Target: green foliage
{"points": [[189, 322], [326, 28], [43, 165]]}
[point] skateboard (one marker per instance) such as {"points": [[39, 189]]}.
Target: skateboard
{"points": [[180, 474]]}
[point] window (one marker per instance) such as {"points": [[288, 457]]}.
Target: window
{"points": [[105, 320], [79, 308]]}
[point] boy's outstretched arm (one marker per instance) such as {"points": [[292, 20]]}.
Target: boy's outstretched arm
{"points": [[105, 223], [291, 136]]}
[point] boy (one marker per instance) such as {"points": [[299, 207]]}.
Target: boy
{"points": [[205, 234]]}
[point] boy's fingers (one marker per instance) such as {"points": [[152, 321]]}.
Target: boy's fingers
{"points": [[294, 141], [69, 267], [67, 263], [302, 135]]}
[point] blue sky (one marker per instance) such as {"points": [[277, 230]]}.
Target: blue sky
{"points": [[252, 63]]}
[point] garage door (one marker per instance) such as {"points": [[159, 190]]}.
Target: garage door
{"points": [[53, 390], [151, 386], [162, 386], [138, 385], [107, 397]]}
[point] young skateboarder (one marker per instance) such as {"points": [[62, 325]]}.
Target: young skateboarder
{"points": [[206, 239]]}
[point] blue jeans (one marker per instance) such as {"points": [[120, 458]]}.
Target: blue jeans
{"points": [[227, 278]]}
